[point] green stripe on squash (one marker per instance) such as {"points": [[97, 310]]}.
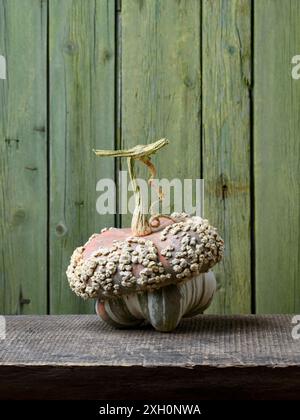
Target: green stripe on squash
{"points": [[163, 308]]}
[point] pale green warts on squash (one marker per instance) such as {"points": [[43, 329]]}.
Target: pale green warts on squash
{"points": [[157, 271]]}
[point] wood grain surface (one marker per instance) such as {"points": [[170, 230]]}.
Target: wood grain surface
{"points": [[161, 84], [82, 83], [80, 357], [226, 28], [214, 76], [23, 158], [276, 157]]}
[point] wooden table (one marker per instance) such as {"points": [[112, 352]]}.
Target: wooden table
{"points": [[208, 357]]}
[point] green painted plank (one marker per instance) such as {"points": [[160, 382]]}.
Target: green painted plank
{"points": [[277, 154], [161, 86], [226, 144], [23, 157], [81, 118]]}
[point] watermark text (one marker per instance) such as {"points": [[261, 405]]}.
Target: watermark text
{"points": [[160, 196], [2, 328], [2, 67]]}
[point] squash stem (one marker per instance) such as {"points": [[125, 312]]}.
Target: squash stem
{"points": [[140, 225]]}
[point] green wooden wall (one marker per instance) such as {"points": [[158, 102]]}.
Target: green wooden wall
{"points": [[214, 76]]}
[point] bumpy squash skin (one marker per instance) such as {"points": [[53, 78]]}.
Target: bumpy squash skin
{"points": [[157, 279], [113, 263], [163, 308]]}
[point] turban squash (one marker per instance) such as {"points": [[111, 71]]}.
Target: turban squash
{"points": [[157, 271]]}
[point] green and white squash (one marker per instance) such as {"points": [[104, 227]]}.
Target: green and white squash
{"points": [[163, 308], [156, 272]]}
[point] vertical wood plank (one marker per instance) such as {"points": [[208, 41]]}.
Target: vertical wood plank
{"points": [[81, 118], [226, 144], [161, 86], [277, 154], [23, 157]]}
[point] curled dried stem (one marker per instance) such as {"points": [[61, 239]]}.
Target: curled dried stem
{"points": [[155, 222], [140, 225]]}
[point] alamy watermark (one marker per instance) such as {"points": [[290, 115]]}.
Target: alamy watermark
{"points": [[160, 196], [296, 67], [2, 328], [2, 67], [296, 328]]}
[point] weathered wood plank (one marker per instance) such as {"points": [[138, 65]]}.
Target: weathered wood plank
{"points": [[80, 357], [205, 340], [161, 83], [276, 156], [161, 383], [23, 158], [226, 144], [81, 118]]}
